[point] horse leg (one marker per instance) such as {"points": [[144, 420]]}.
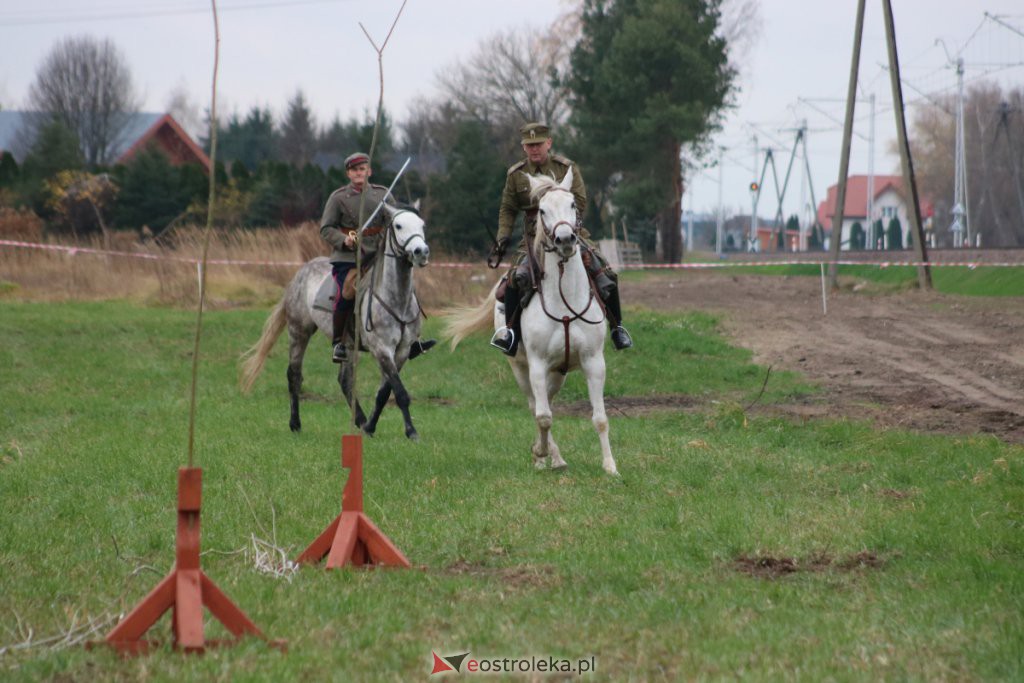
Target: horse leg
{"points": [[522, 374], [389, 372], [345, 380], [594, 371], [383, 394], [541, 411], [296, 350], [555, 382]]}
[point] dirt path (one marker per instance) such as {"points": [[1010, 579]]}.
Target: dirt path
{"points": [[920, 361]]}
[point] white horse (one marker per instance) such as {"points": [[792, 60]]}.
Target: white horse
{"points": [[387, 308], [563, 325]]}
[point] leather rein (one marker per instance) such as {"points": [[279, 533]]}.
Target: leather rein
{"points": [[396, 250], [549, 235]]}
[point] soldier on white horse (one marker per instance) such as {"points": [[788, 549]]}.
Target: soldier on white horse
{"points": [[563, 324], [516, 197]]}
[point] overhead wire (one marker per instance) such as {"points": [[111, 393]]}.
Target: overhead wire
{"points": [[27, 19]]}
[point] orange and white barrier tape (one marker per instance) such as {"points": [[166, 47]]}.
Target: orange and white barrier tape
{"points": [[71, 251]]}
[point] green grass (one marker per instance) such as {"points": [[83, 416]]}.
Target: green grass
{"points": [[639, 572], [981, 281]]}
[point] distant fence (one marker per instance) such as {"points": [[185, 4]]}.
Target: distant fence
{"points": [[994, 258]]}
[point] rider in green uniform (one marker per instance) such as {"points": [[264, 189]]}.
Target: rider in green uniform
{"points": [[536, 141], [339, 227]]}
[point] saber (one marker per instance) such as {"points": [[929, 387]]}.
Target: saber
{"points": [[386, 194]]}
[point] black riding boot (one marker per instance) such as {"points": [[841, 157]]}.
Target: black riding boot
{"points": [[620, 338], [507, 338], [341, 318], [419, 347]]}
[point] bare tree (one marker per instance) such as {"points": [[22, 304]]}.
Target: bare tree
{"points": [[994, 146], [185, 111], [511, 79], [85, 83]]}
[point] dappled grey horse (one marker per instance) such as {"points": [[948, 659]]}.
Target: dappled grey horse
{"points": [[387, 309]]}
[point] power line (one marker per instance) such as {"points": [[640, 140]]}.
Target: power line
{"points": [[155, 12]]}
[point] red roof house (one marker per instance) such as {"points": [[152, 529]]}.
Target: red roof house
{"points": [[163, 131], [889, 203]]}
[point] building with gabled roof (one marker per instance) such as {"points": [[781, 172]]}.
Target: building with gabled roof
{"points": [[888, 203], [141, 130]]}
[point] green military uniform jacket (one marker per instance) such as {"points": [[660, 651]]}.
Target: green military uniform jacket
{"points": [[516, 195], [341, 217]]}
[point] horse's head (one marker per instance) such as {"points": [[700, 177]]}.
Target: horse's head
{"points": [[556, 214], [406, 235]]}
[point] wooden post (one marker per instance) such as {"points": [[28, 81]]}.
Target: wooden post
{"points": [[924, 274], [352, 539], [184, 591], [844, 160]]}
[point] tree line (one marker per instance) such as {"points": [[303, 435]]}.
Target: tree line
{"points": [[628, 86]]}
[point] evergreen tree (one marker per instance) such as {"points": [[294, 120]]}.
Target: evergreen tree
{"points": [[152, 192], [857, 235], [252, 140], [55, 149], [895, 234], [10, 174], [647, 77], [297, 143], [465, 196], [877, 233]]}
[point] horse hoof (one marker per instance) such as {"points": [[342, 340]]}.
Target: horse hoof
{"points": [[368, 432], [559, 467], [540, 463], [413, 435], [296, 426]]}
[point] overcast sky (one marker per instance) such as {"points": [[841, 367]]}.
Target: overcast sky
{"points": [[272, 48]]}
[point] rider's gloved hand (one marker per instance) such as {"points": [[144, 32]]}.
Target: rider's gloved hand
{"points": [[498, 252]]}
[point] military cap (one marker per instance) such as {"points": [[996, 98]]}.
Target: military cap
{"points": [[534, 132], [356, 159]]}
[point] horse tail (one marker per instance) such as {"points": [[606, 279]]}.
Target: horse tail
{"points": [[254, 358], [462, 321]]}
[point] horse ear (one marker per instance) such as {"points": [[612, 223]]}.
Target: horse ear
{"points": [[566, 183], [390, 209], [416, 205], [534, 183]]}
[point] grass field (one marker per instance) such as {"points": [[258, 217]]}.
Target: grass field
{"points": [[731, 545], [980, 281]]}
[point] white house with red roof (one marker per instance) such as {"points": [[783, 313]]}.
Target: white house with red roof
{"points": [[888, 203]]}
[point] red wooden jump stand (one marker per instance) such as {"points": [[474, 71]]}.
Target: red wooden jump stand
{"points": [[352, 538], [185, 590]]}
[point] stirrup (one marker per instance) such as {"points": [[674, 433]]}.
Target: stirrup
{"points": [[340, 354], [504, 342], [620, 338]]}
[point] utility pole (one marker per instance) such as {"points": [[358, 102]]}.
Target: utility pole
{"points": [[924, 274], [810, 183], [961, 220], [906, 163], [871, 177], [806, 217], [721, 210], [689, 226], [844, 160], [755, 194]]}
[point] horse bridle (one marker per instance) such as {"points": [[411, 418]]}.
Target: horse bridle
{"points": [[549, 234], [400, 251], [396, 246]]}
